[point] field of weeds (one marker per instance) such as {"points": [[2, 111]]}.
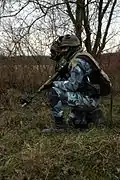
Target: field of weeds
{"points": [[27, 154]]}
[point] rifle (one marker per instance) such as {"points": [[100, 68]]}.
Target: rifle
{"points": [[61, 70]]}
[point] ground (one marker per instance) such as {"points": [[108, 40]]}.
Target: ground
{"points": [[27, 154]]}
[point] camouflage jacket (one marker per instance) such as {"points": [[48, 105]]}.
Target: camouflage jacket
{"points": [[78, 69]]}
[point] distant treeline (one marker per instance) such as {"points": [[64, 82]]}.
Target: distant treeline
{"points": [[28, 72], [109, 61], [26, 60]]}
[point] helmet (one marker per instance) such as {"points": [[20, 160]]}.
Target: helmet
{"points": [[70, 41]]}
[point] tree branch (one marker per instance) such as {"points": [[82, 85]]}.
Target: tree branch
{"points": [[70, 12], [105, 8], [107, 27], [87, 29], [79, 18], [98, 36], [12, 15]]}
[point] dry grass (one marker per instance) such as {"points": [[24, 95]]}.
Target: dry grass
{"points": [[28, 77], [26, 154], [91, 155], [24, 77]]}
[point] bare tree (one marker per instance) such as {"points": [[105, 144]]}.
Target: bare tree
{"points": [[89, 20]]}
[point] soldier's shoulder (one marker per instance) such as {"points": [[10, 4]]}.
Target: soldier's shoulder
{"points": [[80, 62]]}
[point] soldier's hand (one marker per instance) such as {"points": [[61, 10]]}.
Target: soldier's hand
{"points": [[48, 86], [25, 99]]}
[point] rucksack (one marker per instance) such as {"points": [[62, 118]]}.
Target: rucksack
{"points": [[97, 76]]}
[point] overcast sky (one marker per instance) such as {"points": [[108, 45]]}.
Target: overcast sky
{"points": [[41, 40]]}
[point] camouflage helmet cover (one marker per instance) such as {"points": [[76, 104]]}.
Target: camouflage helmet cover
{"points": [[70, 41]]}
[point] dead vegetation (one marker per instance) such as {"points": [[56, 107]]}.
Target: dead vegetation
{"points": [[26, 154]]}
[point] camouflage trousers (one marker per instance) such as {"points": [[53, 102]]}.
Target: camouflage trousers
{"points": [[59, 98]]}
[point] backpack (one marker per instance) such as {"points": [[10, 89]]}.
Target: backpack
{"points": [[97, 76]]}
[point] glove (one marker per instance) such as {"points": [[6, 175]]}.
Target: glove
{"points": [[48, 86], [26, 100], [56, 84]]}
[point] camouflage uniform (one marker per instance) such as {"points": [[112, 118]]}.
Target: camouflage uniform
{"points": [[73, 91], [71, 88]]}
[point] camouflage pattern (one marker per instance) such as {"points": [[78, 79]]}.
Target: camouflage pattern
{"points": [[73, 87], [72, 91]]}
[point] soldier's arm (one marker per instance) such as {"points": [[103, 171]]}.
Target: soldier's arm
{"points": [[77, 73]]}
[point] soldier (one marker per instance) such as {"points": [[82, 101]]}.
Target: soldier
{"points": [[73, 88]]}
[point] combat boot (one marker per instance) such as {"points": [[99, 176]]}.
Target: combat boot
{"points": [[60, 126]]}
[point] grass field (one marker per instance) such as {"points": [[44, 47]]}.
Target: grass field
{"points": [[27, 154]]}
